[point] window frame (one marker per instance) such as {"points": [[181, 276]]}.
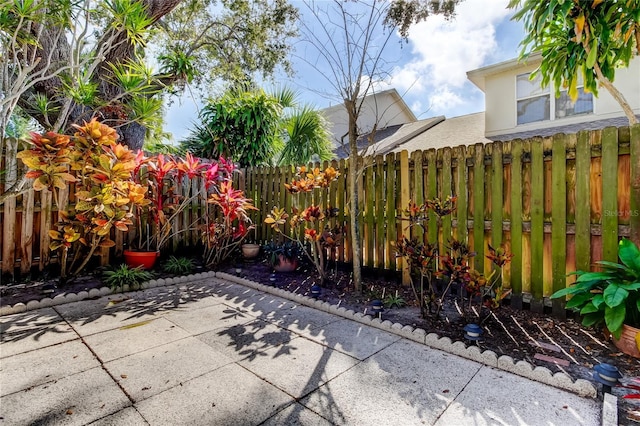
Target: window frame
{"points": [[552, 102]]}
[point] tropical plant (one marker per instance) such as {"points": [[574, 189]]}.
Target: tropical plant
{"points": [[227, 222], [306, 138], [242, 125], [321, 238], [255, 127], [178, 265], [394, 301], [65, 62], [105, 192], [277, 250], [588, 39], [453, 266], [610, 296], [121, 276], [168, 180]]}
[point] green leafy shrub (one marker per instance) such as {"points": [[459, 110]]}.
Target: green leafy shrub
{"points": [[178, 266], [610, 296], [124, 275]]}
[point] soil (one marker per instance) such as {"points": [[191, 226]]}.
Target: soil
{"points": [[561, 345]]}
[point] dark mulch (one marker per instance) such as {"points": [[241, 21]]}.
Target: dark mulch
{"points": [[521, 334]]}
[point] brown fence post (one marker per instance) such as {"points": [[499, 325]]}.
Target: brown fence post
{"points": [[634, 206]]}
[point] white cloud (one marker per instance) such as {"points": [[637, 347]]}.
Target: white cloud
{"points": [[443, 51]]}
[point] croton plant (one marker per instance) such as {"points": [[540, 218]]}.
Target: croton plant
{"points": [[105, 193], [115, 188]]}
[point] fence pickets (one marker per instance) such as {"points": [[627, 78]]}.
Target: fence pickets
{"points": [[557, 203]]}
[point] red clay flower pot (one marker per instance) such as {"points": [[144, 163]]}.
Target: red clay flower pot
{"points": [[146, 259]]}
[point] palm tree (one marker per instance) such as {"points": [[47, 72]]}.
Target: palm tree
{"points": [[306, 137]]}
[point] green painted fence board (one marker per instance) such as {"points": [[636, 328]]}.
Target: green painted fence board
{"points": [[446, 191], [583, 202], [379, 214], [390, 194], [432, 192], [610, 194], [418, 189], [369, 237], [478, 206], [461, 192], [516, 216], [496, 195], [537, 218], [559, 212]]}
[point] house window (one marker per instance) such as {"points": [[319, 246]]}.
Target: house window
{"points": [[535, 103]]}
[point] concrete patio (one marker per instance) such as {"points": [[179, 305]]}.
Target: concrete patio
{"points": [[212, 352]]}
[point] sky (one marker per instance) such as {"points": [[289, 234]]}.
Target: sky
{"points": [[429, 71]]}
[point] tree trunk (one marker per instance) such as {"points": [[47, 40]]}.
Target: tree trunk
{"points": [[354, 214], [617, 95], [57, 48]]}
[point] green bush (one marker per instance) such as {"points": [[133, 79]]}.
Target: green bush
{"points": [[124, 275], [178, 266]]}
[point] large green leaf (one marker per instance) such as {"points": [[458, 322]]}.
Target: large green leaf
{"points": [[614, 295], [629, 255], [593, 276], [614, 318], [578, 300], [588, 308]]}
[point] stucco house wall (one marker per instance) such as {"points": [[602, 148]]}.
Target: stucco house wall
{"points": [[385, 108], [498, 82]]}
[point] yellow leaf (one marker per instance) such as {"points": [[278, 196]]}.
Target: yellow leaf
{"points": [[579, 27], [596, 3], [573, 89], [55, 235]]}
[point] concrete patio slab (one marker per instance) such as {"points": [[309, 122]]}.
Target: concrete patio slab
{"points": [[127, 417], [404, 384], [244, 341], [197, 321], [134, 338], [73, 400], [352, 338], [294, 415], [209, 400], [299, 319], [155, 370], [32, 330], [299, 366], [261, 304], [483, 399], [29, 369], [111, 312]]}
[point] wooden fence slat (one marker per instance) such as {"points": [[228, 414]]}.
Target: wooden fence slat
{"points": [[368, 238], [418, 189], [379, 213], [26, 232], [432, 193], [390, 198], [46, 215], [634, 196], [461, 192], [516, 223], [496, 194], [537, 219], [582, 202], [9, 210], [446, 191], [478, 207], [405, 196], [610, 194], [559, 219]]}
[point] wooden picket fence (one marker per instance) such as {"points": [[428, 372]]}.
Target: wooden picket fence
{"points": [[557, 203]]}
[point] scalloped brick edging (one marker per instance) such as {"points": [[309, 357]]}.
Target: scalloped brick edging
{"points": [[580, 387]]}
